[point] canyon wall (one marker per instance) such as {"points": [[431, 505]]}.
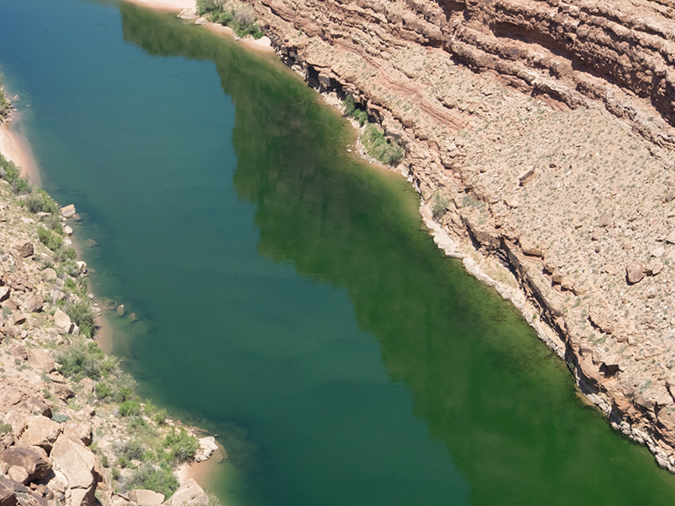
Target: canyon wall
{"points": [[539, 135]]}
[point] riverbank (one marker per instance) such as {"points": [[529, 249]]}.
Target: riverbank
{"points": [[14, 146], [48, 317]]}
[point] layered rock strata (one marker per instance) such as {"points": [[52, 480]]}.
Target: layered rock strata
{"points": [[539, 137]]}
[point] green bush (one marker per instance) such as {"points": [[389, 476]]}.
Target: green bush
{"points": [[206, 6], [379, 147], [160, 416], [130, 408], [40, 202], [86, 360], [158, 478], [104, 390], [50, 239], [8, 171], [131, 450], [82, 315], [180, 446], [352, 111], [60, 418], [5, 106]]}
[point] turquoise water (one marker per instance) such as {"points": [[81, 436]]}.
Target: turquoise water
{"points": [[288, 298]]}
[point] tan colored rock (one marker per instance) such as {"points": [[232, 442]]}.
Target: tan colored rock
{"points": [[188, 494], [18, 474], [33, 303], [76, 462], [654, 267], [78, 430], [4, 293], [62, 391], [634, 272], [26, 250], [62, 322], [146, 497], [19, 318], [39, 358], [68, 211], [530, 247], [38, 431], [671, 238], [33, 460], [49, 274], [7, 494]]}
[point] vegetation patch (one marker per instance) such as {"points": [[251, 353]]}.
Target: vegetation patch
{"points": [[379, 147], [237, 15], [5, 105], [353, 111]]}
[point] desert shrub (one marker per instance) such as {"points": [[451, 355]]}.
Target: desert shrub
{"points": [[352, 111], [60, 418], [180, 446], [8, 171], [85, 360], [50, 239], [104, 390], [130, 408], [439, 204], [379, 147], [158, 478], [82, 315], [130, 450], [40, 202], [5, 105], [206, 6], [160, 416]]}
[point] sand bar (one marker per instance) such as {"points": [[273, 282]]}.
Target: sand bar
{"points": [[15, 147]]}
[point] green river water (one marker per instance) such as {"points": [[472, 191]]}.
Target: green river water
{"points": [[289, 298]]}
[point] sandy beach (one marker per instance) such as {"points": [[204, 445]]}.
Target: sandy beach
{"points": [[15, 147], [201, 472], [168, 5]]}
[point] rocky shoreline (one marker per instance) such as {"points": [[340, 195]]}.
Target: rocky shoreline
{"points": [[550, 179], [72, 429]]}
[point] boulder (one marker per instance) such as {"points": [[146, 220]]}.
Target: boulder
{"points": [[146, 497], [7, 494], [62, 322], [62, 391], [33, 303], [68, 211], [207, 445], [38, 431], [39, 358], [76, 462], [78, 430], [33, 460], [670, 238], [188, 494], [634, 272], [26, 249], [530, 248], [18, 474], [19, 318], [4, 293], [49, 274]]}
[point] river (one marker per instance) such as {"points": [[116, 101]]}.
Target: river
{"points": [[287, 295]]}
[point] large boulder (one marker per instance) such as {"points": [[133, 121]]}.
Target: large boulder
{"points": [[26, 249], [188, 494], [78, 430], [77, 464], [146, 497], [62, 322], [68, 211], [33, 460], [33, 303], [41, 359], [38, 431]]}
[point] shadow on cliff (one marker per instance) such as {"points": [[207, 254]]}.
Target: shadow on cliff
{"points": [[482, 382]]}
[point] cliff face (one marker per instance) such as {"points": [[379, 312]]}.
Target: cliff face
{"points": [[539, 136]]}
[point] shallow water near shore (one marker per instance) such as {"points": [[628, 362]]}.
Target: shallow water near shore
{"points": [[285, 294]]}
